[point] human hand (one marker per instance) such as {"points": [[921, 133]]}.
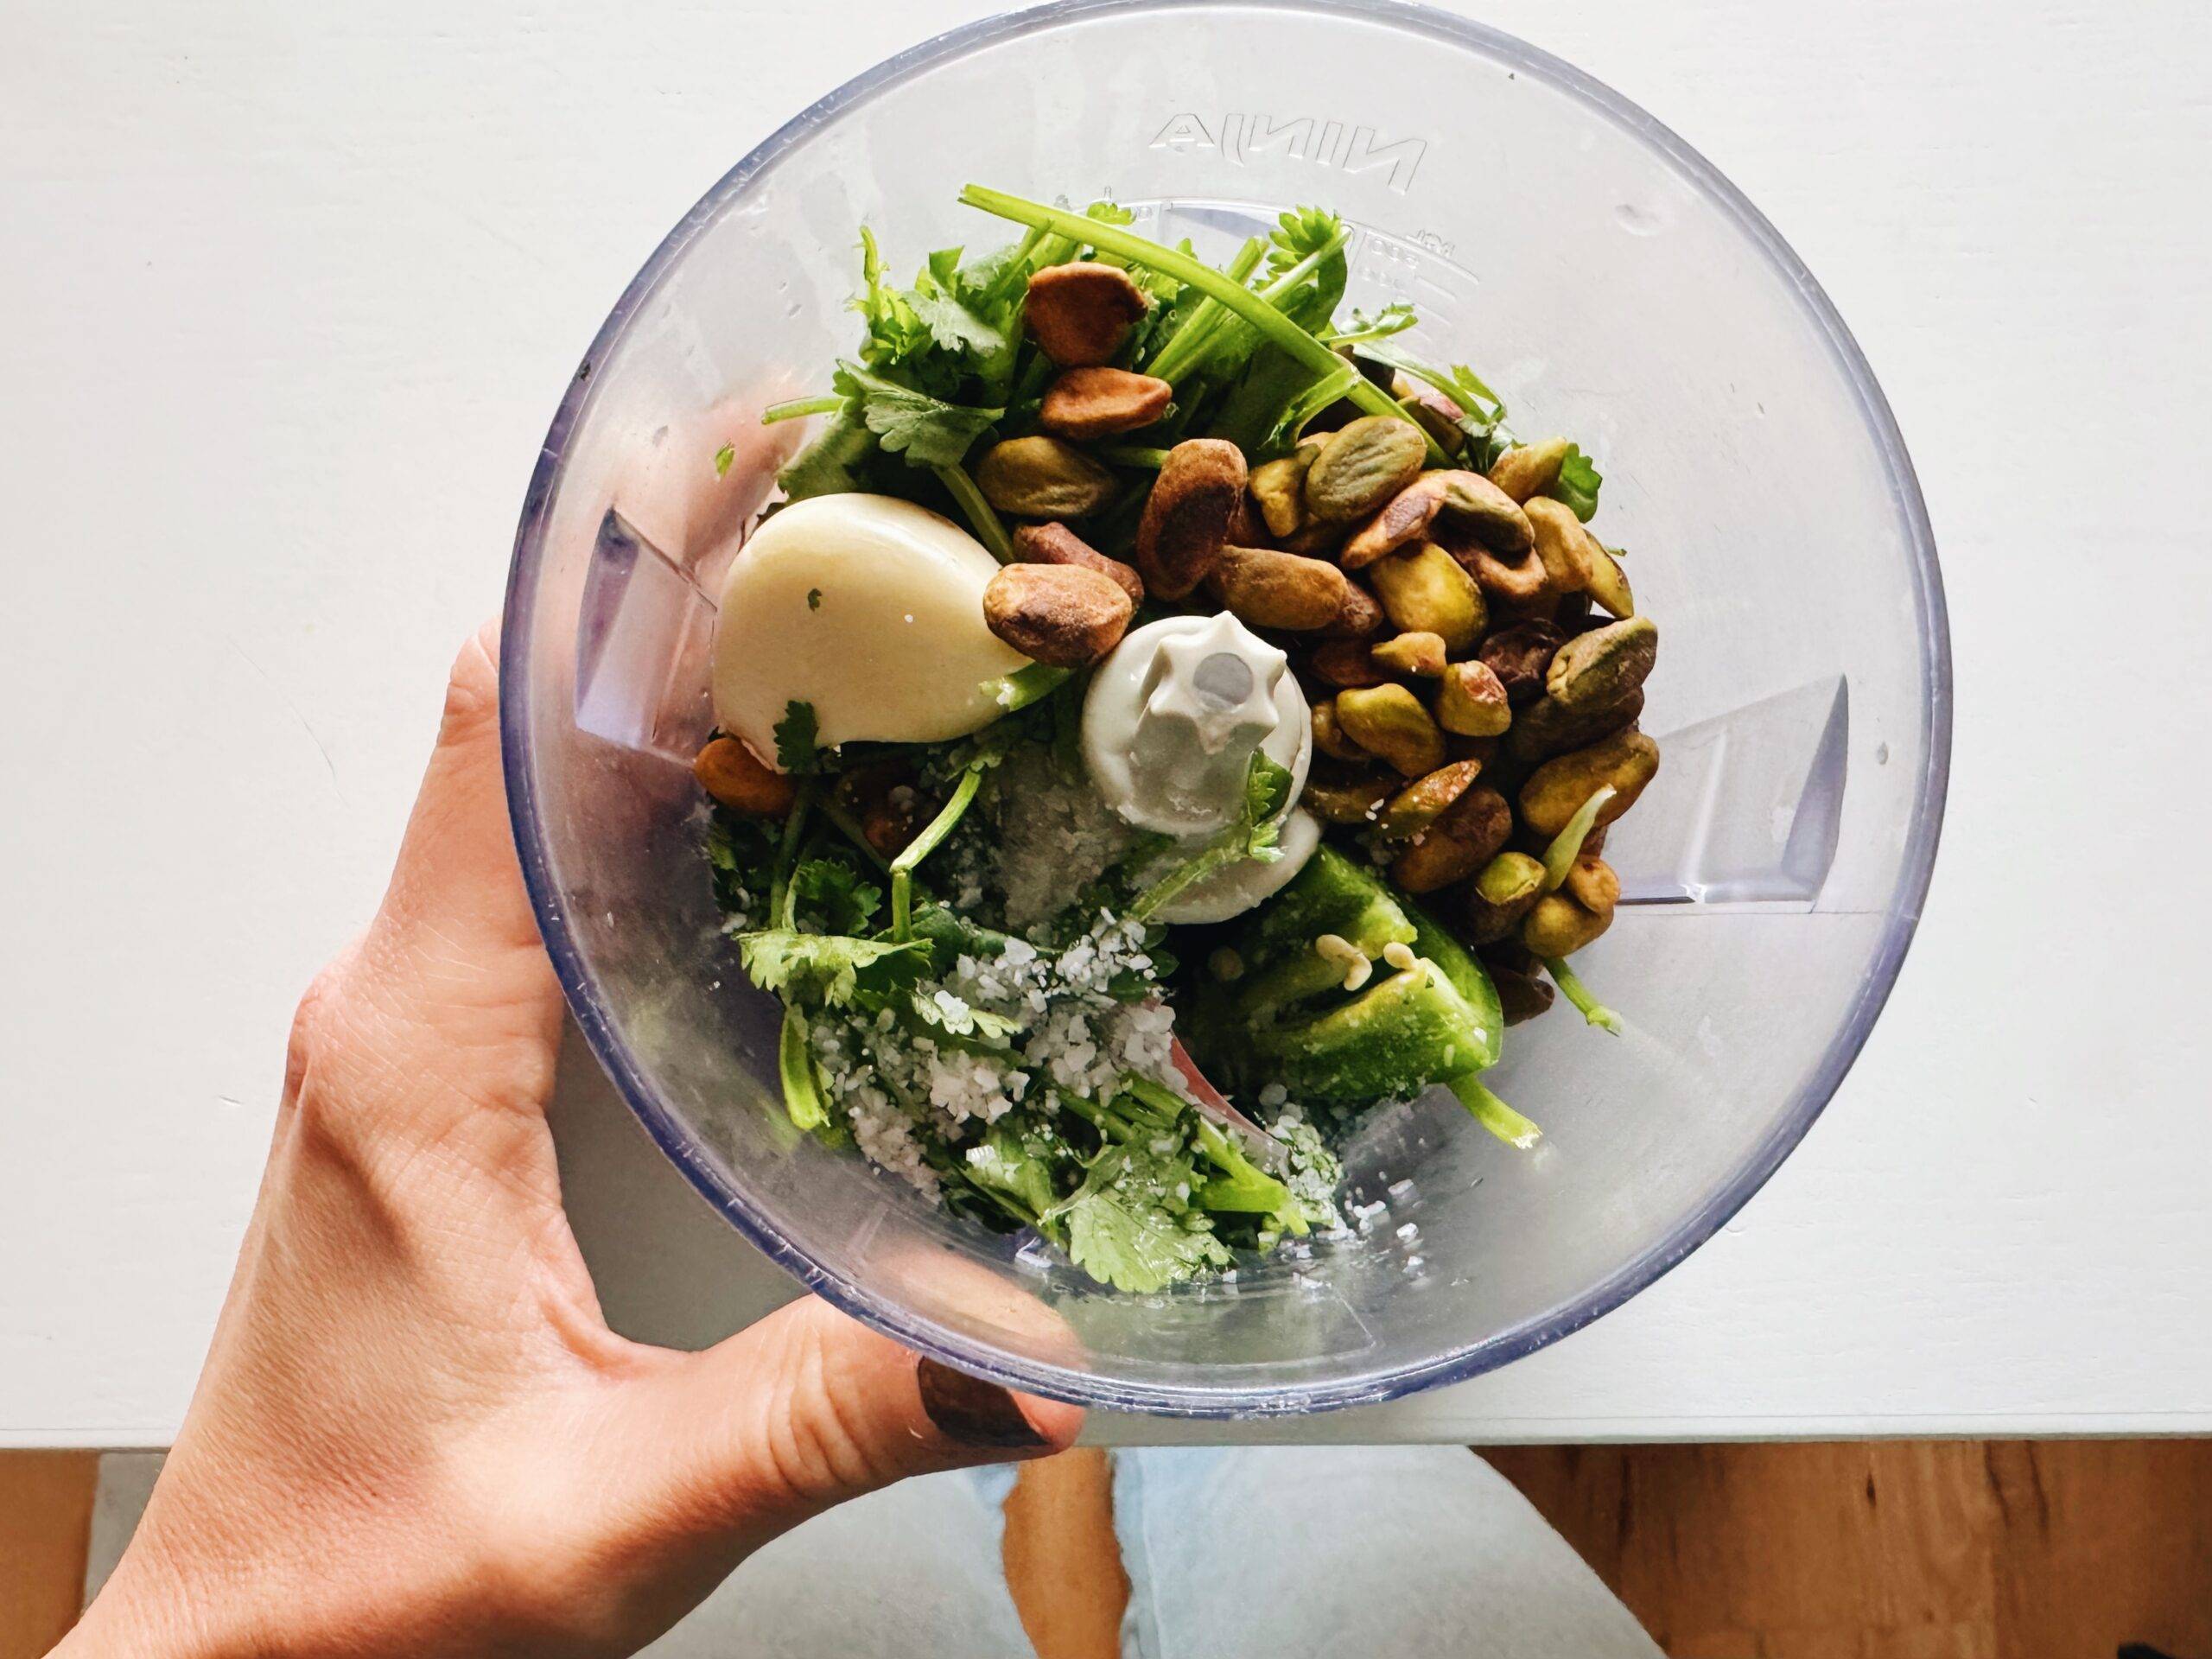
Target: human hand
{"points": [[415, 1432]]}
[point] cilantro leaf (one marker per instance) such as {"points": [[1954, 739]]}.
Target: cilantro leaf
{"points": [[741, 858], [927, 430], [894, 332], [1020, 1171], [723, 457], [796, 749], [1393, 319], [830, 464], [954, 1023], [802, 1078], [1257, 826], [1127, 1224], [830, 970], [1579, 479], [954, 326], [1300, 232], [835, 895]]}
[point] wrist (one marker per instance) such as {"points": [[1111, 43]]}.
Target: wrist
{"points": [[146, 1610]]}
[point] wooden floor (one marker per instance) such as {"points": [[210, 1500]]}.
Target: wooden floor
{"points": [[46, 1519], [1894, 1550], [1897, 1550]]}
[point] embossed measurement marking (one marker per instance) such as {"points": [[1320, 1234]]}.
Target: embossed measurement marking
{"points": [[1347, 148]]}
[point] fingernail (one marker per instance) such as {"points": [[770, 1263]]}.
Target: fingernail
{"points": [[972, 1411]]}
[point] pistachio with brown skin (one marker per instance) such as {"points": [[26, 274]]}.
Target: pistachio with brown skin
{"points": [[1278, 486], [1187, 516], [1592, 884], [1388, 720], [1063, 615], [1600, 669], [1561, 544], [1418, 654], [1472, 701], [1042, 477], [1346, 663], [1329, 736], [1363, 464], [1466, 835], [1404, 518], [1545, 728], [1431, 411], [732, 775], [1266, 589], [1098, 402], [1521, 996], [1347, 800], [1246, 528], [1360, 617], [1520, 656], [1077, 312], [1475, 511], [1421, 803], [1528, 470], [1555, 790], [1427, 590], [1504, 891], [1055, 544], [1519, 579], [881, 796], [1316, 538]]}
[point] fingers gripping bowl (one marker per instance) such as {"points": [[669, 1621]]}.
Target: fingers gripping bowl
{"points": [[1540, 226]]}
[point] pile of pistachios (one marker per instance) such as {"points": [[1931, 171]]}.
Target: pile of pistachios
{"points": [[1471, 652]]}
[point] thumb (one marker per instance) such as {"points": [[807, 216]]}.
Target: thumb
{"points": [[809, 1408]]}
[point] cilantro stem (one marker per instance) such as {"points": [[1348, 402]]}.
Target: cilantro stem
{"points": [[1252, 834], [1493, 1113], [902, 867], [1111, 1124], [1246, 1186], [1179, 350], [781, 899], [1271, 323], [1593, 1011], [1390, 321], [1015, 273], [1131, 454], [1164, 891], [988, 530], [795, 1065], [795, 409], [1315, 398], [1275, 291], [1567, 846], [1025, 685], [841, 816]]}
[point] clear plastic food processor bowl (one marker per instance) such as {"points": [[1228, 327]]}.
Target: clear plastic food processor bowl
{"points": [[1613, 287]]}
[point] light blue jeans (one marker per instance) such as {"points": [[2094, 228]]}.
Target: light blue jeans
{"points": [[1232, 1553]]}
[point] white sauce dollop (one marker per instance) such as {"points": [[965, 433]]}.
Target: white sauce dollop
{"points": [[1169, 726]]}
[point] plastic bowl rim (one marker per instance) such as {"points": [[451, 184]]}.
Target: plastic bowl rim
{"points": [[1525, 1336]]}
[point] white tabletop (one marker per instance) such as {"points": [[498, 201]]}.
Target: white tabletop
{"points": [[287, 296]]}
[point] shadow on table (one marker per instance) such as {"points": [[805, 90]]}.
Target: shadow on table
{"points": [[668, 1269]]}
